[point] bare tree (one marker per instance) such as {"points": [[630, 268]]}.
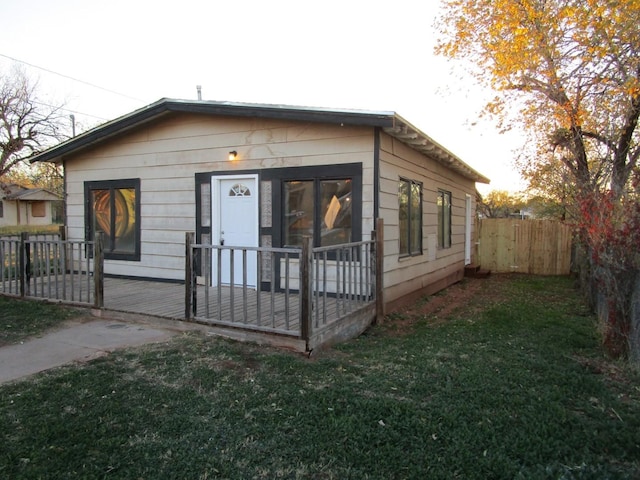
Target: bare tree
{"points": [[27, 124]]}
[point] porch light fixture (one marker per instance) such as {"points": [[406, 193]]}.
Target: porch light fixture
{"points": [[233, 155]]}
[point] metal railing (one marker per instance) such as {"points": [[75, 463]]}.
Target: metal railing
{"points": [[52, 269], [229, 292], [60, 270], [10, 274], [288, 291], [343, 280]]}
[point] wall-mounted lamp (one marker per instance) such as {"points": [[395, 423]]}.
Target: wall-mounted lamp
{"points": [[233, 155]]}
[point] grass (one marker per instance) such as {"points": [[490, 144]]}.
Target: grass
{"points": [[31, 229], [512, 385], [20, 319]]}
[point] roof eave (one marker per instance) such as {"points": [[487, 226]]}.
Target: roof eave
{"points": [[102, 132], [34, 194], [165, 106], [420, 141], [390, 122]]}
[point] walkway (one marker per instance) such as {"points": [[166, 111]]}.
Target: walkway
{"points": [[76, 342]]}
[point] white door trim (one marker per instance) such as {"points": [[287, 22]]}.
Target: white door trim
{"points": [[467, 230], [215, 214]]}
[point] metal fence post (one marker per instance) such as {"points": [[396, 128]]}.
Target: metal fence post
{"points": [[379, 273], [24, 263], [98, 271], [306, 259], [190, 293]]}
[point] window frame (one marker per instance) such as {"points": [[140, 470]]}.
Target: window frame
{"points": [[111, 185], [271, 193], [317, 220], [444, 237], [278, 177], [417, 250]]}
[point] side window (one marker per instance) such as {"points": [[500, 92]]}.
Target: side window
{"points": [[113, 207], [38, 209], [410, 217], [444, 219]]}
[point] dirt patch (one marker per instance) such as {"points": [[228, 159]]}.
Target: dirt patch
{"points": [[467, 297]]}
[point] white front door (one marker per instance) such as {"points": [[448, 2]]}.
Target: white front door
{"points": [[235, 224]]}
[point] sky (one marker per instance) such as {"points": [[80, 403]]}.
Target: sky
{"points": [[103, 59]]}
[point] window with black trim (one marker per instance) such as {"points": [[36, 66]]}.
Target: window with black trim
{"points": [[410, 217], [1, 209], [444, 219], [113, 207], [320, 208]]}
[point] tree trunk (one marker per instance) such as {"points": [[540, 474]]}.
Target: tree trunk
{"points": [[634, 334]]}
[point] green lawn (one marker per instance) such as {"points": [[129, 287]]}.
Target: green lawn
{"points": [[20, 319], [514, 385], [31, 229]]}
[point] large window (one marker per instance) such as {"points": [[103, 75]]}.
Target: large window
{"points": [[444, 219], [410, 217], [113, 207], [320, 208]]}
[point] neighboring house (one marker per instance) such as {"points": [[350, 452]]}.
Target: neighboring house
{"points": [[28, 206], [265, 175]]}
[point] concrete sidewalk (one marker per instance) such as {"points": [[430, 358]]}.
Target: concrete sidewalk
{"points": [[76, 342]]}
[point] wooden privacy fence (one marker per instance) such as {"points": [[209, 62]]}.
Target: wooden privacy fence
{"points": [[539, 247]]}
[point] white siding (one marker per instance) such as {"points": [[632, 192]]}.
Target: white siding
{"points": [[404, 276], [11, 216], [166, 155]]}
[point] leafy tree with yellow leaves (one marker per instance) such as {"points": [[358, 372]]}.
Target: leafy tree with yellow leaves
{"points": [[570, 67], [569, 72], [500, 204]]}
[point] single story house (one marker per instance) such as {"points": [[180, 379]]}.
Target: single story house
{"points": [[28, 206], [267, 175]]}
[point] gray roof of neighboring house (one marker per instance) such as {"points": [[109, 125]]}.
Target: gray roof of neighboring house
{"points": [[16, 192], [392, 123]]}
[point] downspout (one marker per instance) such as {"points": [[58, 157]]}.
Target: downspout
{"points": [[64, 199], [378, 225], [376, 174]]}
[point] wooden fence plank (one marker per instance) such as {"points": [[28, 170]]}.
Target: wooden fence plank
{"points": [[539, 247]]}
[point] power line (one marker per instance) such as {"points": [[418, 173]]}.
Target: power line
{"points": [[70, 111], [72, 78]]}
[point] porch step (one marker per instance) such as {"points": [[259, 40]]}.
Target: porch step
{"points": [[474, 271]]}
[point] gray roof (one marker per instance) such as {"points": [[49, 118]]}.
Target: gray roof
{"points": [[390, 122], [16, 192]]}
